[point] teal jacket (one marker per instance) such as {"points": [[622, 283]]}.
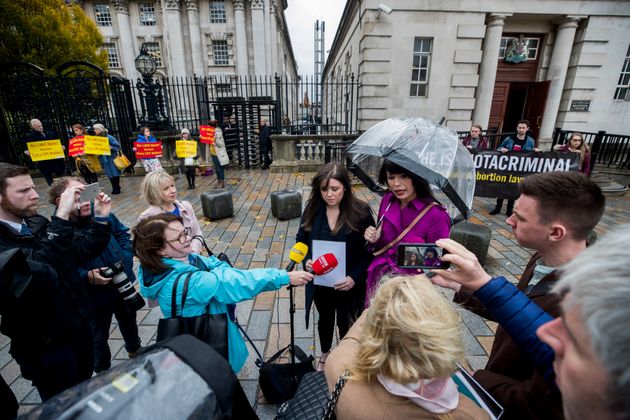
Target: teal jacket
{"points": [[214, 282]]}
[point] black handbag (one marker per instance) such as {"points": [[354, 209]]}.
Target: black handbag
{"points": [[276, 379], [209, 328]]}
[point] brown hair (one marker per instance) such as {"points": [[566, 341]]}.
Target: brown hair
{"points": [[477, 125], [583, 147], [526, 122], [569, 197], [149, 239], [59, 186], [7, 171], [351, 209], [213, 123], [78, 126]]}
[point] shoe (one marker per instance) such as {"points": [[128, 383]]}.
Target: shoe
{"points": [[134, 354], [191, 187], [508, 212], [115, 192], [494, 211]]}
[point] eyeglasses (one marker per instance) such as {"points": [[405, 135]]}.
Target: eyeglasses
{"points": [[183, 236]]}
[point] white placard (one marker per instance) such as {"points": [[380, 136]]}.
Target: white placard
{"points": [[338, 249]]}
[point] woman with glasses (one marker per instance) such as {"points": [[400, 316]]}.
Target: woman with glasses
{"points": [[163, 246], [159, 191], [576, 144]]}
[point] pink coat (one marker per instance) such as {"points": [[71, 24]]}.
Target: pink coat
{"points": [[434, 225], [187, 214]]}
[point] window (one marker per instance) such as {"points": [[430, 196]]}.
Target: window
{"points": [[223, 89], [217, 11], [420, 67], [112, 55], [103, 17], [532, 47], [623, 85], [147, 14], [153, 49], [220, 53]]}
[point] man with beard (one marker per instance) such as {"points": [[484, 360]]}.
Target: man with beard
{"points": [[47, 324]]}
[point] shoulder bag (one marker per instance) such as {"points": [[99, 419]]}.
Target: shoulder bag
{"points": [[209, 328], [121, 161], [406, 231]]}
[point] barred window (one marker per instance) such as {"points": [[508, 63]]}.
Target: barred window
{"points": [[147, 14], [420, 68], [532, 47], [220, 53], [623, 84], [112, 55], [223, 89], [153, 49], [217, 11], [103, 17]]}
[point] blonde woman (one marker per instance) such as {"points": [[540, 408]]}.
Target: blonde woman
{"points": [[401, 354], [159, 191], [576, 144], [107, 162]]}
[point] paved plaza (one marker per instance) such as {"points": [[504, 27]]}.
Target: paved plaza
{"points": [[253, 238]]}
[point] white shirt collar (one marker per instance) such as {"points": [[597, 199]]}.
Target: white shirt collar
{"points": [[16, 226]]}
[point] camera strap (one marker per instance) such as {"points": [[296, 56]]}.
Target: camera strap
{"points": [[406, 231]]}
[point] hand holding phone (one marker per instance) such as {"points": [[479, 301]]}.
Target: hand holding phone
{"points": [[421, 256]]}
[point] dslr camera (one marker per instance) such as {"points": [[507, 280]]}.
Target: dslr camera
{"points": [[130, 295]]}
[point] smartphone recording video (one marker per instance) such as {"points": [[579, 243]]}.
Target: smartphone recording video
{"points": [[421, 256], [90, 192]]}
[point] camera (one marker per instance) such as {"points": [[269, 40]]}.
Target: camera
{"points": [[421, 256], [131, 297]]}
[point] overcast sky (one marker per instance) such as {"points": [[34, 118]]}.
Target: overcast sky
{"points": [[301, 16]]}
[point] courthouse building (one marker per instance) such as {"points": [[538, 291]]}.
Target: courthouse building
{"points": [[200, 37], [558, 63]]}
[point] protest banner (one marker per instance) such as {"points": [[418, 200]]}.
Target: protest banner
{"points": [[148, 150], [97, 145], [185, 148], [498, 174], [76, 146], [45, 150], [206, 134]]}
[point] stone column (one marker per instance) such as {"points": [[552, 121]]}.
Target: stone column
{"points": [[258, 36], [267, 11], [488, 68], [126, 45], [557, 74], [241, 38], [273, 45], [173, 36], [198, 59]]}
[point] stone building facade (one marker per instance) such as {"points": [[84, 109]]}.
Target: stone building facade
{"points": [[450, 59], [196, 37]]}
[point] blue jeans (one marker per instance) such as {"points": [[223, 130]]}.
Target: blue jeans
{"points": [[218, 168]]}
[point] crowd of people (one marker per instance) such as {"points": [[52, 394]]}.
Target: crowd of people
{"points": [[561, 349]]}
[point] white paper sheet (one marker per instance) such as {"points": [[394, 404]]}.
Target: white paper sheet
{"points": [[338, 249]]}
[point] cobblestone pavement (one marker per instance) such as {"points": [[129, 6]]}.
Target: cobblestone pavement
{"points": [[254, 238]]}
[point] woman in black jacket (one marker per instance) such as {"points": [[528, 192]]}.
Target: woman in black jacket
{"points": [[333, 213]]}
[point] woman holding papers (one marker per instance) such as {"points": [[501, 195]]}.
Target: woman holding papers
{"points": [[333, 221], [408, 214], [400, 357]]}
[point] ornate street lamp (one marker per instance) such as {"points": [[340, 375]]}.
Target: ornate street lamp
{"points": [[150, 91]]}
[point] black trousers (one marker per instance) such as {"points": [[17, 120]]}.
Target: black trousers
{"points": [[266, 158], [50, 167], [510, 204], [329, 302]]}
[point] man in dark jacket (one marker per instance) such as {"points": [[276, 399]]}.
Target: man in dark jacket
{"points": [[46, 167], [553, 216], [265, 143], [105, 301], [48, 323]]}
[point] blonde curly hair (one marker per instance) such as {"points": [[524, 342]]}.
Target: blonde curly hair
{"points": [[411, 332]]}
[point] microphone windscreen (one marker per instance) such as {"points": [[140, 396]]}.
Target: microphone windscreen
{"points": [[298, 252], [325, 264]]}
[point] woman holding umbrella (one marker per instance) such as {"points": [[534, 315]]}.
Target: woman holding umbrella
{"points": [[409, 213]]}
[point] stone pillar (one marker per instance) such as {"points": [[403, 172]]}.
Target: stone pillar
{"points": [[126, 45], [488, 68], [241, 38], [557, 73], [273, 45], [174, 39], [267, 11], [198, 59], [258, 36]]}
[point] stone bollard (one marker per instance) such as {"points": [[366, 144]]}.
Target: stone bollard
{"points": [[217, 204], [476, 238], [286, 204]]}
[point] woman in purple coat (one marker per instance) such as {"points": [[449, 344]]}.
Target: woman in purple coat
{"points": [[409, 196]]}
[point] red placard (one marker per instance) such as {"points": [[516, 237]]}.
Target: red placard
{"points": [[148, 150], [76, 146], [206, 134]]}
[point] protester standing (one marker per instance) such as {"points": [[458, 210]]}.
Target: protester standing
{"points": [[576, 144], [189, 164], [149, 164], [112, 172], [474, 140], [46, 167], [83, 162], [219, 154], [264, 139]]}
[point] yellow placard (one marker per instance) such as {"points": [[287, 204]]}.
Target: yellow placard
{"points": [[185, 148], [45, 150], [97, 145]]}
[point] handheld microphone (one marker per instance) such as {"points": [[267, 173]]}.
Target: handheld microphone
{"points": [[324, 264], [297, 254]]}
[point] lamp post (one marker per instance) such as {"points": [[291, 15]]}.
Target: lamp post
{"points": [[150, 92]]}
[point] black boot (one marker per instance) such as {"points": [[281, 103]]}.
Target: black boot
{"points": [[115, 184], [497, 207]]}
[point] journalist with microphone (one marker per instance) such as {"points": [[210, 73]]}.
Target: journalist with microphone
{"points": [[334, 214], [163, 246]]}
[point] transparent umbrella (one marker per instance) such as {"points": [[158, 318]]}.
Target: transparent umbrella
{"points": [[425, 148]]}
